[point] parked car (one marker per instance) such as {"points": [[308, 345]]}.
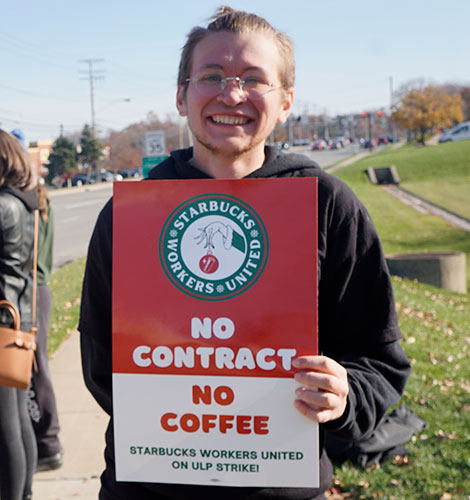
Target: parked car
{"points": [[369, 144], [76, 180], [301, 142], [319, 145], [336, 144], [128, 173], [457, 133], [107, 177]]}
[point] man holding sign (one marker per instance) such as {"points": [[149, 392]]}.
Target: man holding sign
{"points": [[235, 84]]}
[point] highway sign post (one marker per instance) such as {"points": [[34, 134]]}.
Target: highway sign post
{"points": [[148, 162], [155, 143]]}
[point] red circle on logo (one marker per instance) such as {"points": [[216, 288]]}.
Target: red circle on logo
{"points": [[209, 264]]}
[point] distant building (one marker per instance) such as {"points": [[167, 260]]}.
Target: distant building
{"points": [[39, 152]]}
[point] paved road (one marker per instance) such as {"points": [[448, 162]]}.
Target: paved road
{"points": [[326, 158], [75, 213]]}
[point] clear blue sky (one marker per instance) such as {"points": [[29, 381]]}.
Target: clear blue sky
{"points": [[346, 52]]}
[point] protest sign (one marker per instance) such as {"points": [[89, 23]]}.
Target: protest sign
{"points": [[214, 295]]}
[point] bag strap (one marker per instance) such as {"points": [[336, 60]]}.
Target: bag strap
{"points": [[6, 304], [35, 264]]}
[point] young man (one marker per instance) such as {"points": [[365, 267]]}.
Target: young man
{"points": [[235, 84]]}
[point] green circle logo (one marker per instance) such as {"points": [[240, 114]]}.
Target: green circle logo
{"points": [[213, 247]]}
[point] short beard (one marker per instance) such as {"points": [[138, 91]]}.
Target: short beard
{"points": [[227, 154]]}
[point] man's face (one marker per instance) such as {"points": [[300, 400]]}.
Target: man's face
{"points": [[229, 122]]}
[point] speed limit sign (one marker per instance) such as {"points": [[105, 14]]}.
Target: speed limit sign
{"points": [[154, 142]]}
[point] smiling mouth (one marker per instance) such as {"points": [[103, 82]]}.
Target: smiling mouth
{"points": [[229, 120]]}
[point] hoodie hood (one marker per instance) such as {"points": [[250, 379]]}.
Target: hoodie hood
{"points": [[277, 164], [29, 198]]}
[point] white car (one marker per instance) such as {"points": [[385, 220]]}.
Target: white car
{"points": [[457, 133]]}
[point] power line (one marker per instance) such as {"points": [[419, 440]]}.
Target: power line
{"points": [[34, 94]]}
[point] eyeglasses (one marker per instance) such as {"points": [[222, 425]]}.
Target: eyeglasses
{"points": [[213, 84]]}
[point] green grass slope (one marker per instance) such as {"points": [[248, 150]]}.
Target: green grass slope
{"points": [[401, 228], [439, 174]]}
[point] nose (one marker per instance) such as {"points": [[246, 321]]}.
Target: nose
{"points": [[231, 94]]}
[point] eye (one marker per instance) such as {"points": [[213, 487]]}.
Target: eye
{"points": [[211, 79], [253, 82]]}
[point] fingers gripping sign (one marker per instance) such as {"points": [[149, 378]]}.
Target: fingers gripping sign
{"points": [[324, 388]]}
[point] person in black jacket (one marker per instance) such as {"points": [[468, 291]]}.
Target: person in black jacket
{"points": [[18, 201], [235, 84], [42, 402]]}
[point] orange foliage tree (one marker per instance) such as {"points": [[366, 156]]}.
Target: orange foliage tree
{"points": [[420, 110], [126, 147]]}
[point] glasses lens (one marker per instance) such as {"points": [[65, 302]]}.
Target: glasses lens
{"points": [[210, 84], [213, 84]]}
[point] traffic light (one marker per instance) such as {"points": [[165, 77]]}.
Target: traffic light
{"points": [[364, 114], [380, 113]]}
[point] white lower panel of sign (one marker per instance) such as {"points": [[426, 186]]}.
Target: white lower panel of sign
{"points": [[232, 431]]}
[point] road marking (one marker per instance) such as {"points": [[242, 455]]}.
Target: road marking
{"points": [[72, 206], [69, 219]]}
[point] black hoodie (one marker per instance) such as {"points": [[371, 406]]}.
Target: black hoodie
{"points": [[357, 323]]}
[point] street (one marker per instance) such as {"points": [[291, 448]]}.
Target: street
{"points": [[75, 213], [329, 157]]}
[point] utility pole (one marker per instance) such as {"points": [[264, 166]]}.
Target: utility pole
{"points": [[92, 76], [391, 107]]}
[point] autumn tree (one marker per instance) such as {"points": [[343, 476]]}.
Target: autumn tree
{"points": [[464, 91], [422, 109], [123, 152], [465, 95], [126, 147], [63, 158]]}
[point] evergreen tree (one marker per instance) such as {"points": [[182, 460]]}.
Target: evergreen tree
{"points": [[92, 150], [63, 158]]}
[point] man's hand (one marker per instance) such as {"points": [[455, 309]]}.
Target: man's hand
{"points": [[323, 394]]}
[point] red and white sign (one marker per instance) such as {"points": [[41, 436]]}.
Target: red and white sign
{"points": [[214, 295]]}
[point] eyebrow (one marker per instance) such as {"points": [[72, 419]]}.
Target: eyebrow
{"points": [[211, 66], [218, 66]]}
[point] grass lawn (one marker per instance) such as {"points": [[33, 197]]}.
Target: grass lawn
{"points": [[439, 174], [436, 330], [401, 228], [65, 285]]}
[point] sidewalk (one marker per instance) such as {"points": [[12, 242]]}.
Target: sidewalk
{"points": [[83, 424]]}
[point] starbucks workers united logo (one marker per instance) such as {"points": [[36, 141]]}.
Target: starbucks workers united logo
{"points": [[213, 247]]}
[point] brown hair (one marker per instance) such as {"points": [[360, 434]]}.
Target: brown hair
{"points": [[15, 165], [238, 21], [44, 202]]}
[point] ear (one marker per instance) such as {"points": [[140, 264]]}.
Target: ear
{"points": [[286, 105], [181, 100]]}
